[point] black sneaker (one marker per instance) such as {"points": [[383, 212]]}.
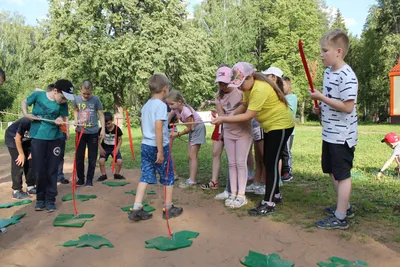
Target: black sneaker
{"points": [[172, 212], [63, 181], [50, 206], [102, 178], [119, 177], [286, 177], [139, 215], [278, 200], [89, 182], [32, 191], [40, 205], [332, 222], [19, 195], [331, 211], [80, 182], [262, 210]]}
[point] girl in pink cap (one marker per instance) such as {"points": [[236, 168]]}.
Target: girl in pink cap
{"points": [[263, 100]]}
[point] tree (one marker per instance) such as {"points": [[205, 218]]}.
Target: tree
{"points": [[338, 22]]}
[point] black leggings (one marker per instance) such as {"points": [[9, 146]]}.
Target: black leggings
{"points": [[274, 142], [91, 141], [17, 171]]}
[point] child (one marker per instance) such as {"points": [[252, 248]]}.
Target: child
{"points": [[339, 122], [392, 140], [155, 151], [107, 146], [47, 139], [287, 153], [275, 74], [171, 140], [88, 109], [196, 131], [263, 100]]}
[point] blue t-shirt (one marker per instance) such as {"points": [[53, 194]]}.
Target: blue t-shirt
{"points": [[292, 100], [87, 113], [154, 110], [46, 109]]}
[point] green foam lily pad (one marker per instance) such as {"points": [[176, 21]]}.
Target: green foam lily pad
{"points": [[339, 262], [358, 176], [89, 240], [82, 198], [13, 220], [14, 204], [70, 220], [114, 184], [133, 192], [255, 259], [178, 240]]}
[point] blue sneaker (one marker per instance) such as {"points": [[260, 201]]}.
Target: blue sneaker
{"points": [[89, 182], [332, 222], [40, 205], [50, 207]]}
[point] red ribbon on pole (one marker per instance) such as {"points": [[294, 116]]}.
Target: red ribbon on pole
{"points": [[128, 122], [115, 147], [305, 65]]}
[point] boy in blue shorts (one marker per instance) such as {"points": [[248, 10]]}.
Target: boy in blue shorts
{"points": [[155, 150], [339, 124]]}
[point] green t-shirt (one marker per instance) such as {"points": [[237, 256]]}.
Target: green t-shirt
{"points": [[46, 109]]}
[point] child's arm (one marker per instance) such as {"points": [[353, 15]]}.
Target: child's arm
{"points": [[240, 109], [159, 141], [25, 111], [102, 151], [102, 122], [220, 110], [188, 129], [343, 106], [21, 155], [66, 121], [385, 166], [119, 141], [76, 115]]}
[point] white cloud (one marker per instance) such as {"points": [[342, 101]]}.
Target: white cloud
{"points": [[350, 22], [17, 2]]}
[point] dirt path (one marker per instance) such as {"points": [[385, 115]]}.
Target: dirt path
{"points": [[224, 237]]}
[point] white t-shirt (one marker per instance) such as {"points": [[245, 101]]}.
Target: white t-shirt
{"points": [[340, 127], [396, 151]]}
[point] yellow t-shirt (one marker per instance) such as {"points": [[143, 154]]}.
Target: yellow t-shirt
{"points": [[272, 114]]}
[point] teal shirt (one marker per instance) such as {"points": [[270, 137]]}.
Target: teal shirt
{"points": [[46, 109], [292, 100]]}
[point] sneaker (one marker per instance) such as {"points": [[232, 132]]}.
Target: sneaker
{"points": [[222, 196], [229, 200], [50, 207], [139, 215], [250, 188], [238, 202], [19, 195], [260, 190], [286, 177], [332, 222], [187, 183], [32, 191], [3, 230], [172, 212], [262, 210], [210, 185], [89, 183], [331, 211], [40, 205], [102, 178], [278, 200], [176, 177], [80, 182], [119, 177], [63, 181]]}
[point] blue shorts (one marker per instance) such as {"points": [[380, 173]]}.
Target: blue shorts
{"points": [[149, 167], [110, 153]]}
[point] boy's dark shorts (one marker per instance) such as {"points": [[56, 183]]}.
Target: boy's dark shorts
{"points": [[337, 159], [110, 152], [149, 167]]}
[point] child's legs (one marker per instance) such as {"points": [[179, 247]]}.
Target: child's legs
{"points": [[61, 165], [102, 165], [243, 147], [16, 171], [171, 141], [30, 180], [343, 195], [80, 156], [118, 164], [193, 152], [230, 148], [93, 142], [287, 156], [258, 155], [39, 151], [52, 162], [273, 145], [147, 167], [218, 146], [167, 178]]}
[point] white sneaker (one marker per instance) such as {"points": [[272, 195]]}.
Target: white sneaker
{"points": [[187, 183], [229, 200], [251, 188], [222, 196], [260, 190], [238, 202]]}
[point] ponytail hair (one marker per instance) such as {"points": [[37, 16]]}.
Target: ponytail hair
{"points": [[279, 92], [279, 83]]}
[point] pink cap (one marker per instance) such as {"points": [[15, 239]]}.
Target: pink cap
{"points": [[239, 73], [223, 75]]}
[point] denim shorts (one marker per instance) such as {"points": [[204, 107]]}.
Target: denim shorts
{"points": [[149, 167]]}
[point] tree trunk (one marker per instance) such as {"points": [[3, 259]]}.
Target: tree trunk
{"points": [[303, 104]]}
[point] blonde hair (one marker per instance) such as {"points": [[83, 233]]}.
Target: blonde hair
{"points": [[175, 95], [157, 82], [261, 77], [337, 38]]}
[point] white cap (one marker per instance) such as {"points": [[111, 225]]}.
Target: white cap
{"points": [[274, 71]]}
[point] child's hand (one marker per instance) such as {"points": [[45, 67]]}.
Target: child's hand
{"points": [[218, 120], [20, 160], [30, 156], [102, 133], [59, 121], [317, 110], [32, 117], [102, 151], [160, 157], [174, 134], [316, 95]]}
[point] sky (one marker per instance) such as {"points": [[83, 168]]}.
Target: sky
{"points": [[354, 11]]}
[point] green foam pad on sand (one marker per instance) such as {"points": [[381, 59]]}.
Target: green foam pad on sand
{"points": [[68, 197], [70, 220], [114, 184], [339, 262], [13, 220], [179, 240], [359, 176], [133, 192], [89, 240], [14, 204], [255, 259]]}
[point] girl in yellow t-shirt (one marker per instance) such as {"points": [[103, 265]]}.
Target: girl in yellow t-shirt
{"points": [[263, 100]]}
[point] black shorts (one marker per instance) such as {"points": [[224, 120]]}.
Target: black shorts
{"points": [[110, 152], [337, 159]]}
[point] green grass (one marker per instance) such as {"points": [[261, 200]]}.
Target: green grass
{"points": [[311, 190]]}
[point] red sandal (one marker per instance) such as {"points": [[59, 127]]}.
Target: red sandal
{"points": [[210, 185]]}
